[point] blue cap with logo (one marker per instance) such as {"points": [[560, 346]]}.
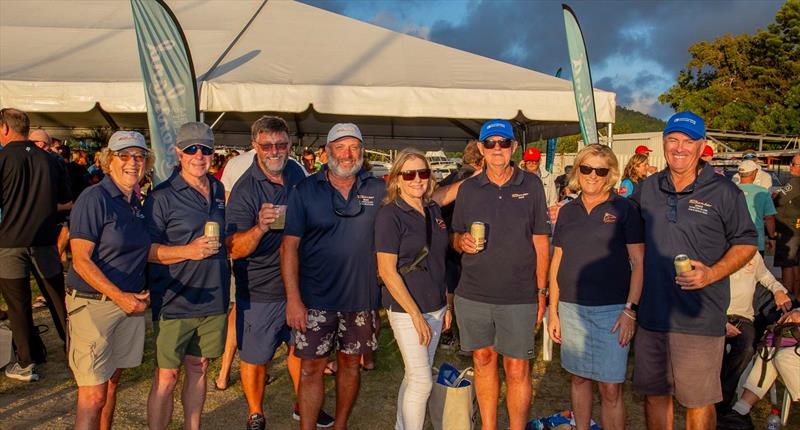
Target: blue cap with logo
{"points": [[496, 127], [687, 123]]}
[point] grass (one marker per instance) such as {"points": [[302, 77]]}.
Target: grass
{"points": [[50, 403]]}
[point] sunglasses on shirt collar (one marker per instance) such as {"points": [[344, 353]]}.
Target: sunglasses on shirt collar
{"points": [[191, 150]]}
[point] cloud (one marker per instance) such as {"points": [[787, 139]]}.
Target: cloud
{"points": [[645, 42]]}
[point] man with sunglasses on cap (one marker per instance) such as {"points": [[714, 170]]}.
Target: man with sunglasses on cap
{"points": [[330, 272], [255, 226], [189, 277], [531, 162], [500, 295], [687, 210]]}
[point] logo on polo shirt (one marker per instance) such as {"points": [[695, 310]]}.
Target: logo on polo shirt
{"points": [[519, 195], [220, 203], [785, 189], [366, 200], [609, 218], [440, 222], [699, 206]]}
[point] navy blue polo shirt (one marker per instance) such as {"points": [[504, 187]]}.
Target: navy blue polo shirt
{"points": [[703, 221], [599, 274], [258, 276], [505, 271], [176, 214], [118, 229], [338, 268], [401, 230]]}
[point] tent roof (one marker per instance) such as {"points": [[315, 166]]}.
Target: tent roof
{"points": [[81, 56]]}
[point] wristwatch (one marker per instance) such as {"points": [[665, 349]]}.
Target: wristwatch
{"points": [[632, 306]]}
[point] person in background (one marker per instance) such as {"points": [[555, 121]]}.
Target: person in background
{"points": [[500, 296], [687, 210], [595, 290], [708, 153], [740, 334], [531, 162], [759, 203], [95, 171], [31, 193], [635, 172], [642, 149], [762, 179], [787, 225], [309, 161], [784, 362], [106, 295], [189, 277], [322, 157], [562, 181]]}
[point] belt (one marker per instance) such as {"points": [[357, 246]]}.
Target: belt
{"points": [[84, 295]]}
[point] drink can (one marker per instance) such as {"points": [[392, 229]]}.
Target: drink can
{"points": [[478, 232], [682, 263], [211, 229]]}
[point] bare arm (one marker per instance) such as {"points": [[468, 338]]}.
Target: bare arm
{"points": [[702, 275], [387, 268], [541, 243], [554, 326], [769, 223], [243, 243], [290, 272], [198, 249], [446, 194], [82, 249], [636, 256], [64, 206]]}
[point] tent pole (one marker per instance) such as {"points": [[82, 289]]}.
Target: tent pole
{"points": [[216, 120]]}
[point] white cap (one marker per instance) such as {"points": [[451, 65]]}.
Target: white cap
{"points": [[747, 166], [126, 139], [341, 130]]}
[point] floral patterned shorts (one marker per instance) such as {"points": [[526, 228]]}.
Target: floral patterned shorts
{"points": [[349, 332]]}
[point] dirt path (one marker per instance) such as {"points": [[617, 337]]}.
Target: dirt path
{"points": [[50, 403]]}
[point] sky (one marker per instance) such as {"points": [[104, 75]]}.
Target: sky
{"points": [[636, 48]]}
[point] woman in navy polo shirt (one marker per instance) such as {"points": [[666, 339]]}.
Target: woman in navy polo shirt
{"points": [[411, 242], [105, 294], [595, 284]]}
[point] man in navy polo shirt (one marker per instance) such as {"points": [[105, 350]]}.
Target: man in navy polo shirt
{"points": [[687, 209], [255, 215], [330, 271], [189, 277], [496, 299]]}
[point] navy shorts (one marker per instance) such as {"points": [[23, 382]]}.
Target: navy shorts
{"points": [[260, 329], [349, 332]]}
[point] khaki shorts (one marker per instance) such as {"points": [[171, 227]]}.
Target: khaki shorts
{"points": [[198, 337], [102, 339], [684, 365]]}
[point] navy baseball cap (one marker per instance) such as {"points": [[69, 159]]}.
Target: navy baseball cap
{"points": [[687, 123], [496, 127]]}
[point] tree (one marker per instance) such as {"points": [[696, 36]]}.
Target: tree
{"points": [[745, 82]]}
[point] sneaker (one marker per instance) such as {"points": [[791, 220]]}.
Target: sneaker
{"points": [[256, 422], [323, 419], [449, 341], [25, 374], [735, 421]]}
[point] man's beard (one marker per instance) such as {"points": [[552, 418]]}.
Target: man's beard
{"points": [[266, 166], [333, 164]]}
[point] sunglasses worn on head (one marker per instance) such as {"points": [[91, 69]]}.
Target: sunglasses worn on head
{"points": [[504, 143], [191, 150], [126, 156], [409, 175], [280, 146], [587, 170]]}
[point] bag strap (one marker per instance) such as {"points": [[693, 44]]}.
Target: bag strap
{"points": [[462, 376], [423, 253]]}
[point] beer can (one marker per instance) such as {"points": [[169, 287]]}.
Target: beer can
{"points": [[682, 263], [211, 229], [478, 232]]}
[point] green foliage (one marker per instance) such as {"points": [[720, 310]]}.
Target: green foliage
{"points": [[745, 82]]}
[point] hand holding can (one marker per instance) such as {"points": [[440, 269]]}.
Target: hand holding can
{"points": [[478, 232], [682, 264]]}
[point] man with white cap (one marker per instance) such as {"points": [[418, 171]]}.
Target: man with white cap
{"points": [[330, 273], [759, 203]]}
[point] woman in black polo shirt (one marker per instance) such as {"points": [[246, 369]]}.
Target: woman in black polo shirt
{"points": [[105, 285], [595, 284], [411, 242]]}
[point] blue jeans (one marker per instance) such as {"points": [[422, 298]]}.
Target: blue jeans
{"points": [[415, 389]]}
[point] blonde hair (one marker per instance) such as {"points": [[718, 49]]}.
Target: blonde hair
{"points": [[392, 181], [105, 155], [630, 169], [595, 150]]}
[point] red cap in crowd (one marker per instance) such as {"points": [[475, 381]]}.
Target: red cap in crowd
{"points": [[708, 151], [641, 149], [532, 154]]}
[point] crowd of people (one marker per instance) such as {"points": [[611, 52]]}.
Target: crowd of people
{"points": [[313, 243]]}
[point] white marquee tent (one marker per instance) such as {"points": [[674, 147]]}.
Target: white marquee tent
{"points": [[74, 63]]}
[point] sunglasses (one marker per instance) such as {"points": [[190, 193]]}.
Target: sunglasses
{"points": [[126, 156], [504, 143], [409, 175], [280, 146], [587, 170], [191, 150], [349, 210]]}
